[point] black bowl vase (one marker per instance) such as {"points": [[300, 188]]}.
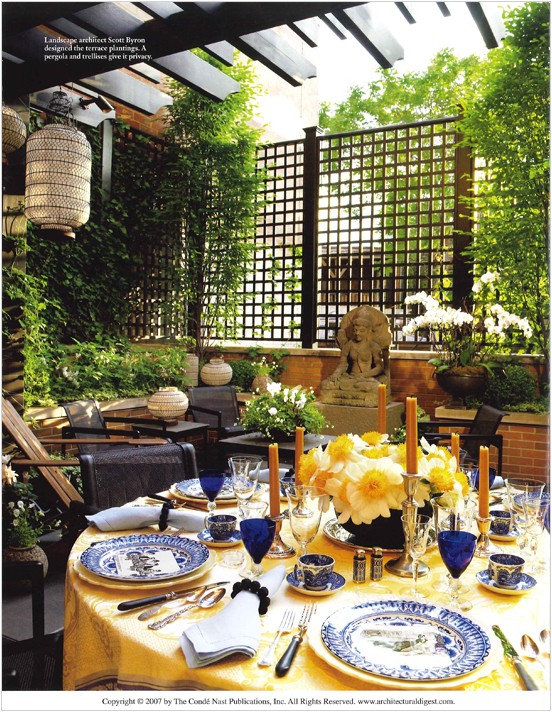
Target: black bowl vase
{"points": [[385, 532]]}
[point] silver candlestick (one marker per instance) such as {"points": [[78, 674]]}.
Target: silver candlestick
{"points": [[404, 565], [279, 549], [485, 546]]}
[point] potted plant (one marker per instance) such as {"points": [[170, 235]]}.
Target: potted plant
{"points": [[276, 413], [21, 520], [262, 379], [467, 338]]}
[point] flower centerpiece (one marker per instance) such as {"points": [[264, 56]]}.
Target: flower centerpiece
{"points": [[363, 475], [466, 338], [276, 413]]}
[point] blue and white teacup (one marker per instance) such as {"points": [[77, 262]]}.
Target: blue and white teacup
{"points": [[501, 522], [286, 482], [314, 570], [221, 526], [506, 569]]}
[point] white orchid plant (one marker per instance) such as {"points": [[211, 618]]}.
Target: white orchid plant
{"points": [[466, 337], [280, 410], [364, 476]]}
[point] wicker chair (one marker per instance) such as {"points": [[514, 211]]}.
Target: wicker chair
{"points": [[110, 478], [482, 431]]}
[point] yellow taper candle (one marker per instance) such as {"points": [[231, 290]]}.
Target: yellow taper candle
{"points": [[299, 446], [455, 449], [274, 480], [483, 481], [382, 406], [411, 436]]}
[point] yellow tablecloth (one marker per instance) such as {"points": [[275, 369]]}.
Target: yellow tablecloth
{"points": [[107, 649]]}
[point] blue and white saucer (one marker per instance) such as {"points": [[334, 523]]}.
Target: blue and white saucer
{"points": [[336, 583], [206, 537], [526, 584], [511, 536]]}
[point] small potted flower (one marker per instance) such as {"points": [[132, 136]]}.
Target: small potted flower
{"points": [[276, 413], [22, 520]]}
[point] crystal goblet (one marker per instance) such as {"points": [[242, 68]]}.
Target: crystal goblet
{"points": [[457, 549], [245, 473], [534, 511], [254, 509], [415, 539], [257, 536], [212, 482], [516, 489], [306, 505]]}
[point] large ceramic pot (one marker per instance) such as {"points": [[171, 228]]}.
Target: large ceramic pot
{"points": [[461, 382], [385, 532], [260, 384], [168, 404], [191, 370], [216, 372], [23, 554]]}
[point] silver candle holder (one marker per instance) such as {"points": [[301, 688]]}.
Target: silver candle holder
{"points": [[404, 565], [279, 549], [485, 546]]}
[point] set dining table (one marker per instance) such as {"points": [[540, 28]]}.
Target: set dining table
{"points": [[109, 649]]}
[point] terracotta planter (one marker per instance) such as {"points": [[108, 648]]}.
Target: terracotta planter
{"points": [[216, 372], [260, 384], [24, 554], [168, 404], [463, 382]]}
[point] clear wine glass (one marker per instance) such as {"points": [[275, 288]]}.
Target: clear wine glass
{"points": [[534, 510], [516, 489], [212, 482], [245, 473], [254, 509], [457, 549], [415, 539], [306, 505], [257, 536], [448, 518]]}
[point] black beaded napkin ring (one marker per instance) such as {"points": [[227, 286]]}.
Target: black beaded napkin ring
{"points": [[163, 517], [253, 587]]}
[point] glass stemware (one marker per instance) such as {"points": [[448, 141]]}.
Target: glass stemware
{"points": [[534, 510], [257, 536], [457, 549], [448, 518], [415, 539], [245, 473], [306, 504], [516, 489], [255, 509], [212, 482]]}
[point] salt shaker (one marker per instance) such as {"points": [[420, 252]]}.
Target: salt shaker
{"points": [[359, 566], [376, 564]]}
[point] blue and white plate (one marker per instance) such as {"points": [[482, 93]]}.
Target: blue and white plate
{"points": [[374, 637], [544, 498], [511, 536], [526, 584], [188, 555], [206, 537], [336, 583], [191, 489]]}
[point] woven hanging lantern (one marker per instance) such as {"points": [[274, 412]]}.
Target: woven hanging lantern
{"points": [[57, 180], [14, 131]]}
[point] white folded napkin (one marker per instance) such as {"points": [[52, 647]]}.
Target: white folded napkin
{"points": [[121, 518], [236, 629], [265, 474]]}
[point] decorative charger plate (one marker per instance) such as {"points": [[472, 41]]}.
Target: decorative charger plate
{"points": [[191, 489], [334, 531], [406, 640], [144, 557]]}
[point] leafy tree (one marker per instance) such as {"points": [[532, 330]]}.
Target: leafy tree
{"points": [[395, 98], [507, 126]]}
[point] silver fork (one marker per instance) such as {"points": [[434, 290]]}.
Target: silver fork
{"points": [[286, 625], [284, 663]]}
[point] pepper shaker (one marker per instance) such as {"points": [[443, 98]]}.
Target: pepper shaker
{"points": [[359, 566], [376, 564]]}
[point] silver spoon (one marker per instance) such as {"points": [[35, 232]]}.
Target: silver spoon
{"points": [[531, 649], [192, 598], [208, 601], [544, 638]]}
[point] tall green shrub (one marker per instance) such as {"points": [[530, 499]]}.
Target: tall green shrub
{"points": [[507, 126]]}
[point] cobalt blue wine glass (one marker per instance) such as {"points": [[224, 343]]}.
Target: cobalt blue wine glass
{"points": [[257, 536], [475, 477], [457, 549], [212, 482]]}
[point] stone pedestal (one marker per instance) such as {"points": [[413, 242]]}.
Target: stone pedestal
{"points": [[358, 420]]}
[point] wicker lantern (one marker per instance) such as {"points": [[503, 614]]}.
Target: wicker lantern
{"points": [[57, 181], [14, 131]]}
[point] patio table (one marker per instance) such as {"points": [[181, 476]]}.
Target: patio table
{"points": [[107, 649], [255, 444]]}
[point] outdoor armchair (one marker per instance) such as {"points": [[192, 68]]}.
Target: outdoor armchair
{"points": [[219, 408]]}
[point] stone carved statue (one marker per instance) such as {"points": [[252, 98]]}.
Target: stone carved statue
{"points": [[364, 337]]}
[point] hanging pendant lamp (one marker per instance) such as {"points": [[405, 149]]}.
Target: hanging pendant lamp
{"points": [[57, 180], [14, 131]]}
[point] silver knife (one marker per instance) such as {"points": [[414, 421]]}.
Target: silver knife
{"points": [[511, 654], [163, 598]]}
